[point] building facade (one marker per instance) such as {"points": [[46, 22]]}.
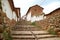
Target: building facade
{"points": [[34, 13], [53, 18], [9, 9]]}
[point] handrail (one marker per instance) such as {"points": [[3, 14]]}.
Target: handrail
{"points": [[33, 34]]}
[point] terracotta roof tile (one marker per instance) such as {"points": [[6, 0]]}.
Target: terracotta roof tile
{"points": [[17, 10]]}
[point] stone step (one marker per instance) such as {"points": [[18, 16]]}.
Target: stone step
{"points": [[32, 36], [46, 36], [29, 32], [15, 36], [26, 28], [27, 35], [24, 32], [55, 38], [24, 39]]}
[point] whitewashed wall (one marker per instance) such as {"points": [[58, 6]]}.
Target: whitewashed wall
{"points": [[7, 9], [28, 17], [14, 15], [34, 18]]}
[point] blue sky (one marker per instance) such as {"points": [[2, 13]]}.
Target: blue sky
{"points": [[46, 2], [48, 5]]}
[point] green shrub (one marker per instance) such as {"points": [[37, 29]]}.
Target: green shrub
{"points": [[7, 36], [5, 31], [51, 31], [33, 23]]}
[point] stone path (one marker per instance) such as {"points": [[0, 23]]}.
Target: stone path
{"points": [[31, 34]]}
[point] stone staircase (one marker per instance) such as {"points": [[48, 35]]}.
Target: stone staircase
{"points": [[26, 28], [28, 32]]}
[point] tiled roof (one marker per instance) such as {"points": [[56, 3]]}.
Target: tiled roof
{"points": [[35, 10], [17, 10]]}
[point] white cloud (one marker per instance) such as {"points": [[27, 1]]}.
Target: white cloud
{"points": [[50, 7]]}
